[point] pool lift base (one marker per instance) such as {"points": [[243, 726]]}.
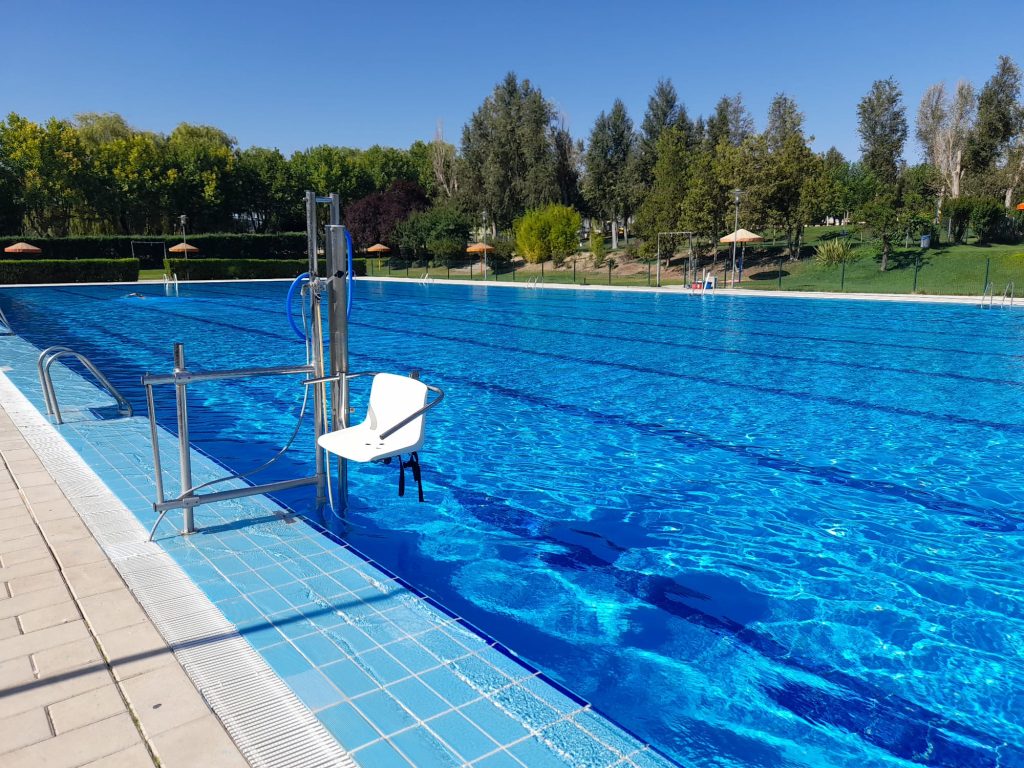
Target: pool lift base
{"points": [[394, 423]]}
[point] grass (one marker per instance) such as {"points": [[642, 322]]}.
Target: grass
{"points": [[952, 270]]}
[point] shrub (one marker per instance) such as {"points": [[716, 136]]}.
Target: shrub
{"points": [[69, 271], [597, 247], [548, 232], [988, 218], [832, 253], [235, 269]]}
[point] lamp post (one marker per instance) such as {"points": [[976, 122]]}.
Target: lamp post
{"points": [[183, 220], [735, 229]]}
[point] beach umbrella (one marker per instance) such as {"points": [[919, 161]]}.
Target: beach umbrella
{"points": [[23, 248], [1020, 206], [483, 249], [378, 249], [741, 236], [185, 248]]}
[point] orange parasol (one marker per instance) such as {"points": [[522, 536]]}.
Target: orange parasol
{"points": [[22, 248]]}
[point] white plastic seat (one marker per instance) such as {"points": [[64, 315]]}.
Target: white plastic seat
{"points": [[392, 399]]}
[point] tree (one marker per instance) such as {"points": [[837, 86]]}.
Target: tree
{"points": [[944, 126], [201, 159], [707, 199], [442, 231], [999, 117], [568, 154], [661, 208], [331, 169], [825, 193], [375, 218], [883, 130], [731, 121], [663, 112], [785, 120], [50, 161], [264, 193], [508, 152], [384, 166], [607, 183]]}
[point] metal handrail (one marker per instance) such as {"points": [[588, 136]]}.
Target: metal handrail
{"points": [[1008, 294], [49, 356], [987, 293], [5, 325]]}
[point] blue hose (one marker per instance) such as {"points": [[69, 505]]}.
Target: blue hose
{"points": [[288, 304], [351, 274]]}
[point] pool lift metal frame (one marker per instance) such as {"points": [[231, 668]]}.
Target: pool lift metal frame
{"points": [[336, 284]]}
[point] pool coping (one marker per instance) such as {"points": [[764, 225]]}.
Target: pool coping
{"points": [[262, 716], [675, 290]]}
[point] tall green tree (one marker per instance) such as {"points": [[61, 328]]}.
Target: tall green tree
{"points": [[663, 112], [264, 192], [661, 209], [326, 168], [51, 163], [201, 159], [999, 118], [608, 183], [508, 152], [882, 126], [731, 121]]}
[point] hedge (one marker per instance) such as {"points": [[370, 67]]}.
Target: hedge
{"points": [[69, 271], [244, 269], [286, 245], [237, 269]]}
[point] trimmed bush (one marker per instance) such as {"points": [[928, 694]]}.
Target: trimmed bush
{"points": [[69, 271], [287, 245], [234, 269]]}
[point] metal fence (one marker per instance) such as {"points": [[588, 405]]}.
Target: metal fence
{"points": [[923, 272]]}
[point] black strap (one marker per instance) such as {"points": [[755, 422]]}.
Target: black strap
{"points": [[417, 474]]}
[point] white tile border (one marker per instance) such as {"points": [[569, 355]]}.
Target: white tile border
{"points": [[270, 726]]}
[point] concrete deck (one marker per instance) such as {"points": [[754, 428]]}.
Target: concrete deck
{"points": [[85, 678]]}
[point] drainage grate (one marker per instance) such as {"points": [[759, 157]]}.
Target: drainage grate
{"points": [[271, 727]]}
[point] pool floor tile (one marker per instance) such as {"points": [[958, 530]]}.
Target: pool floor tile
{"points": [[464, 737], [424, 749], [349, 678], [384, 712], [381, 755], [350, 728], [315, 690], [418, 698]]}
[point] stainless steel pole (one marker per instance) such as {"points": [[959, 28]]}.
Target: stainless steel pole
{"points": [[338, 343], [316, 349], [184, 454], [732, 273]]}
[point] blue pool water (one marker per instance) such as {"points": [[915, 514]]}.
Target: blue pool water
{"points": [[757, 532]]}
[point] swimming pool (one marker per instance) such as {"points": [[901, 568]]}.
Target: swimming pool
{"points": [[754, 531]]}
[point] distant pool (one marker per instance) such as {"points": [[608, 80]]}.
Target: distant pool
{"points": [[754, 531]]}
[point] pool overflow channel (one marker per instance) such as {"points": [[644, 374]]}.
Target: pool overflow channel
{"points": [[393, 427]]}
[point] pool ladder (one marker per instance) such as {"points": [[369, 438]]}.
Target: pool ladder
{"points": [[5, 325], [49, 356], [1005, 302], [170, 281]]}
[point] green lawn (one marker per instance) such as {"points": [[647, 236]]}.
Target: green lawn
{"points": [[151, 274], [955, 270]]}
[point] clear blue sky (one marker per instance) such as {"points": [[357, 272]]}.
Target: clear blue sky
{"points": [[293, 75]]}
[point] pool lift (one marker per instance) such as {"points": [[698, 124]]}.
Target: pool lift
{"points": [[394, 423]]}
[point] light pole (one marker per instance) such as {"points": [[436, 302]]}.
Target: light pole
{"points": [[732, 275], [183, 220]]}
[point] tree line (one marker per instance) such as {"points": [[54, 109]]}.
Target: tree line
{"points": [[675, 172]]}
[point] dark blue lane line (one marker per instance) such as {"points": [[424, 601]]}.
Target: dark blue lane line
{"points": [[559, 331], [985, 518], [978, 517], [628, 318], [913, 732], [742, 386]]}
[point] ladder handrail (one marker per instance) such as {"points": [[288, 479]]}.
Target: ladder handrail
{"points": [[49, 356], [5, 325], [1008, 294], [986, 293]]}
